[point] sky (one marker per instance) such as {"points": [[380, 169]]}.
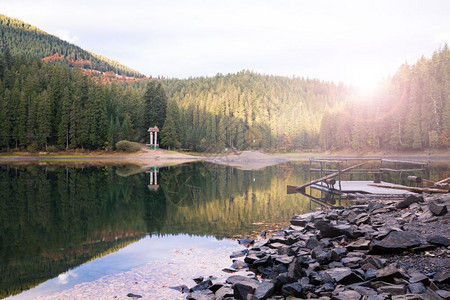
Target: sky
{"points": [[355, 42]]}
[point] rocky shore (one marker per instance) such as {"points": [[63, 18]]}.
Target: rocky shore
{"points": [[376, 249]]}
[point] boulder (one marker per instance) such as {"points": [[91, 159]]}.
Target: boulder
{"points": [[344, 276], [241, 290], [224, 291], [388, 274], [201, 286], [264, 290], [201, 295], [438, 240], [437, 207], [330, 231], [442, 277], [239, 253], [395, 289], [242, 279], [417, 288], [246, 242], [395, 241], [408, 201], [292, 289], [347, 295]]}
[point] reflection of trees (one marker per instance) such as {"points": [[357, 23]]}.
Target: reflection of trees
{"points": [[53, 219]]}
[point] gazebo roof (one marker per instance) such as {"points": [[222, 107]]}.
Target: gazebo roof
{"points": [[153, 129]]}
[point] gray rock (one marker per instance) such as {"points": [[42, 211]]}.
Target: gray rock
{"points": [[347, 295], [344, 276], [437, 207], [201, 295], [444, 294], [224, 291], [408, 201], [365, 291], [359, 244], [395, 289], [388, 274], [180, 288], [199, 279], [238, 264], [241, 290], [242, 279], [131, 295], [396, 241], [438, 240], [292, 289], [312, 243], [330, 231], [239, 253], [408, 297], [417, 288], [246, 242], [264, 290], [201, 286], [442, 277]]}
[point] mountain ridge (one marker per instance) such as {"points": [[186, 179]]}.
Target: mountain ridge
{"points": [[25, 39]]}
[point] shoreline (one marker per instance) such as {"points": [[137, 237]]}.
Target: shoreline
{"points": [[246, 160]]}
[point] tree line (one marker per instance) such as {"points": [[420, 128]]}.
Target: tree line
{"points": [[410, 111], [52, 107]]}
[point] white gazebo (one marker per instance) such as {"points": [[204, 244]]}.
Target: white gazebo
{"points": [[153, 131], [153, 184]]}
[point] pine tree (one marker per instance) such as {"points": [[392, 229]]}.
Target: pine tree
{"points": [[155, 105], [43, 119], [169, 133]]}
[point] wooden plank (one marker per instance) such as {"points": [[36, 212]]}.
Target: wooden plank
{"points": [[303, 186], [408, 188], [325, 161], [405, 161], [401, 170], [443, 181]]}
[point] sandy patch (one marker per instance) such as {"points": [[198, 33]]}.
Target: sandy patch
{"points": [[185, 265]]}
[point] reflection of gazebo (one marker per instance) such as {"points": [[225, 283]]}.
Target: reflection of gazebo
{"points": [[153, 184], [153, 131]]}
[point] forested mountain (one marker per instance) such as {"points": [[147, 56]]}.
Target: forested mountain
{"points": [[411, 111], [44, 105], [248, 110], [23, 38]]}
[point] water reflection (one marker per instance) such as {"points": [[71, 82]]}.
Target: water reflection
{"points": [[55, 218]]}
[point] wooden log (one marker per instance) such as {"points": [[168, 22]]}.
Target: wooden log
{"points": [[427, 183], [303, 186], [415, 179], [408, 188], [446, 180]]}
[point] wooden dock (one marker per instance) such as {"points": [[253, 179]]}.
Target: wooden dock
{"points": [[363, 187]]}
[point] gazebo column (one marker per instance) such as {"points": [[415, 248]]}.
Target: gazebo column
{"points": [[156, 138], [151, 139], [151, 178]]}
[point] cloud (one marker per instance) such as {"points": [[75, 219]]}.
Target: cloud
{"points": [[65, 35], [64, 278]]}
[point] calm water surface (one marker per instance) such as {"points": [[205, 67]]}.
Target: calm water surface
{"points": [[61, 226]]}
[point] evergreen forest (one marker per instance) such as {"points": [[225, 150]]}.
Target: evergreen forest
{"points": [[52, 105]]}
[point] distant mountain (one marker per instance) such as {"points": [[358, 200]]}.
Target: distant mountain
{"points": [[24, 39]]}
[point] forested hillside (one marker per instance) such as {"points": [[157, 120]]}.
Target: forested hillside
{"points": [[411, 111], [23, 38], [248, 111], [43, 105]]}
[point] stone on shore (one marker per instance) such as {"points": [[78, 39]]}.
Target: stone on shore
{"points": [[396, 241]]}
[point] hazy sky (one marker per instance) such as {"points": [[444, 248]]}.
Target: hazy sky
{"points": [[355, 42]]}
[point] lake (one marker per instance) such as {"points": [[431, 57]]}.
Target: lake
{"points": [[62, 227]]}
